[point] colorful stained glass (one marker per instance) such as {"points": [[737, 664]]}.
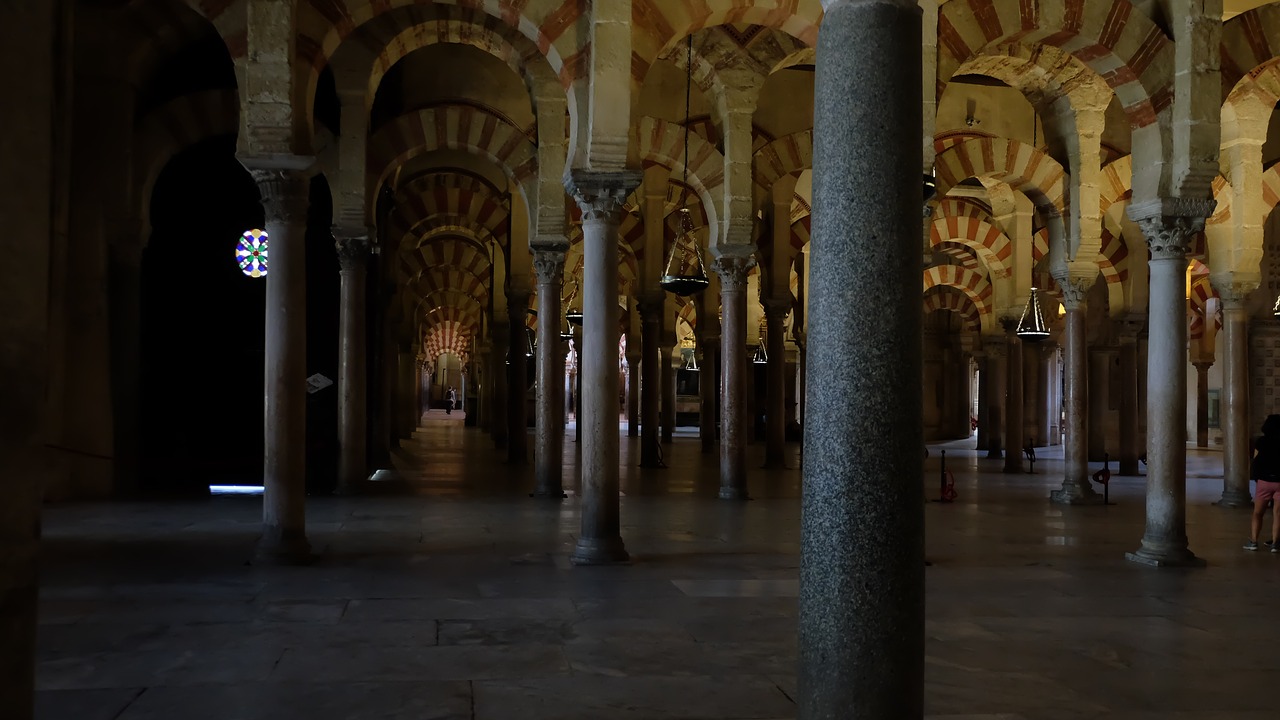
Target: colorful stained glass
{"points": [[251, 253]]}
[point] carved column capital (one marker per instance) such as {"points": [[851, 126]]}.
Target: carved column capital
{"points": [[733, 270], [601, 195], [353, 252], [1074, 291], [285, 194], [548, 264], [1233, 292], [1169, 238]]}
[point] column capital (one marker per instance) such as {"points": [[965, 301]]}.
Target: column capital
{"points": [[776, 308], [285, 193], [732, 267], [1170, 223], [1232, 290], [601, 194], [353, 252], [651, 306], [548, 264], [1074, 291]]}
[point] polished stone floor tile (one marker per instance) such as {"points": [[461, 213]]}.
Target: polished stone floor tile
{"points": [[457, 600]]}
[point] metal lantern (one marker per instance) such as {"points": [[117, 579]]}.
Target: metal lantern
{"points": [[1031, 326]]}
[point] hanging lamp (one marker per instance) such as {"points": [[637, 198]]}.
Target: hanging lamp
{"points": [[761, 356], [1031, 326], [685, 273], [690, 352], [573, 314], [530, 339]]}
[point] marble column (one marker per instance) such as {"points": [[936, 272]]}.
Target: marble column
{"points": [[353, 253], [1202, 402], [732, 265], [1164, 540], [1075, 489], [708, 360], [1099, 397], [601, 196], [33, 205], [1130, 450], [775, 313], [518, 378], [995, 392], [1235, 396], [285, 198], [668, 394], [548, 454], [633, 393], [861, 612], [1013, 397], [650, 379]]}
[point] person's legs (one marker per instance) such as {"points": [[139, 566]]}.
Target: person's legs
{"points": [[1259, 510]]}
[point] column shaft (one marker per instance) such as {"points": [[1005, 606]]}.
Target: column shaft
{"points": [[499, 426], [995, 391], [861, 616], [775, 412], [601, 196], [984, 417], [1235, 404], [1164, 540], [285, 198], [352, 376], [1013, 400], [650, 381], [668, 395], [518, 379], [549, 451], [733, 376], [1099, 395], [1075, 482], [707, 405], [1128, 387], [1202, 403], [633, 395]]}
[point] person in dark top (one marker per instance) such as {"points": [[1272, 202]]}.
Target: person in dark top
{"points": [[1265, 471]]}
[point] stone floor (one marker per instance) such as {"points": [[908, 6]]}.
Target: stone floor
{"points": [[458, 603]]}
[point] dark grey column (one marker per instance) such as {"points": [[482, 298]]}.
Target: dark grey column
{"points": [[775, 313], [548, 454], [601, 196], [1075, 489], [1235, 395], [1128, 387], [633, 392], [285, 198], [1099, 398], [353, 469], [732, 269], [1164, 541], [995, 392], [668, 394], [517, 378], [650, 379], [498, 422], [1013, 397], [33, 174], [1202, 402], [861, 641], [708, 361]]}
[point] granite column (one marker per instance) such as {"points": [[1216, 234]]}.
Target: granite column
{"points": [[601, 196], [548, 454], [732, 265], [353, 253], [861, 614], [285, 198]]}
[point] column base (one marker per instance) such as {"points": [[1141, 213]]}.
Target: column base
{"points": [[282, 549], [733, 493], [1235, 499], [1166, 557], [1128, 467], [600, 551], [995, 454], [548, 494], [1075, 495]]}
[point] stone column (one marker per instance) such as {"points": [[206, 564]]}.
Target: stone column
{"points": [[1013, 396], [1075, 489], [498, 420], [34, 174], [651, 379], [353, 252], [995, 392], [548, 455], [633, 393], [708, 361], [1164, 541], [732, 269], [518, 378], [802, 368], [1235, 396], [1052, 408], [1099, 395], [668, 394], [1130, 450], [1202, 402], [601, 196], [984, 418], [125, 281], [285, 198], [775, 313], [406, 398], [1032, 385], [861, 614]]}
